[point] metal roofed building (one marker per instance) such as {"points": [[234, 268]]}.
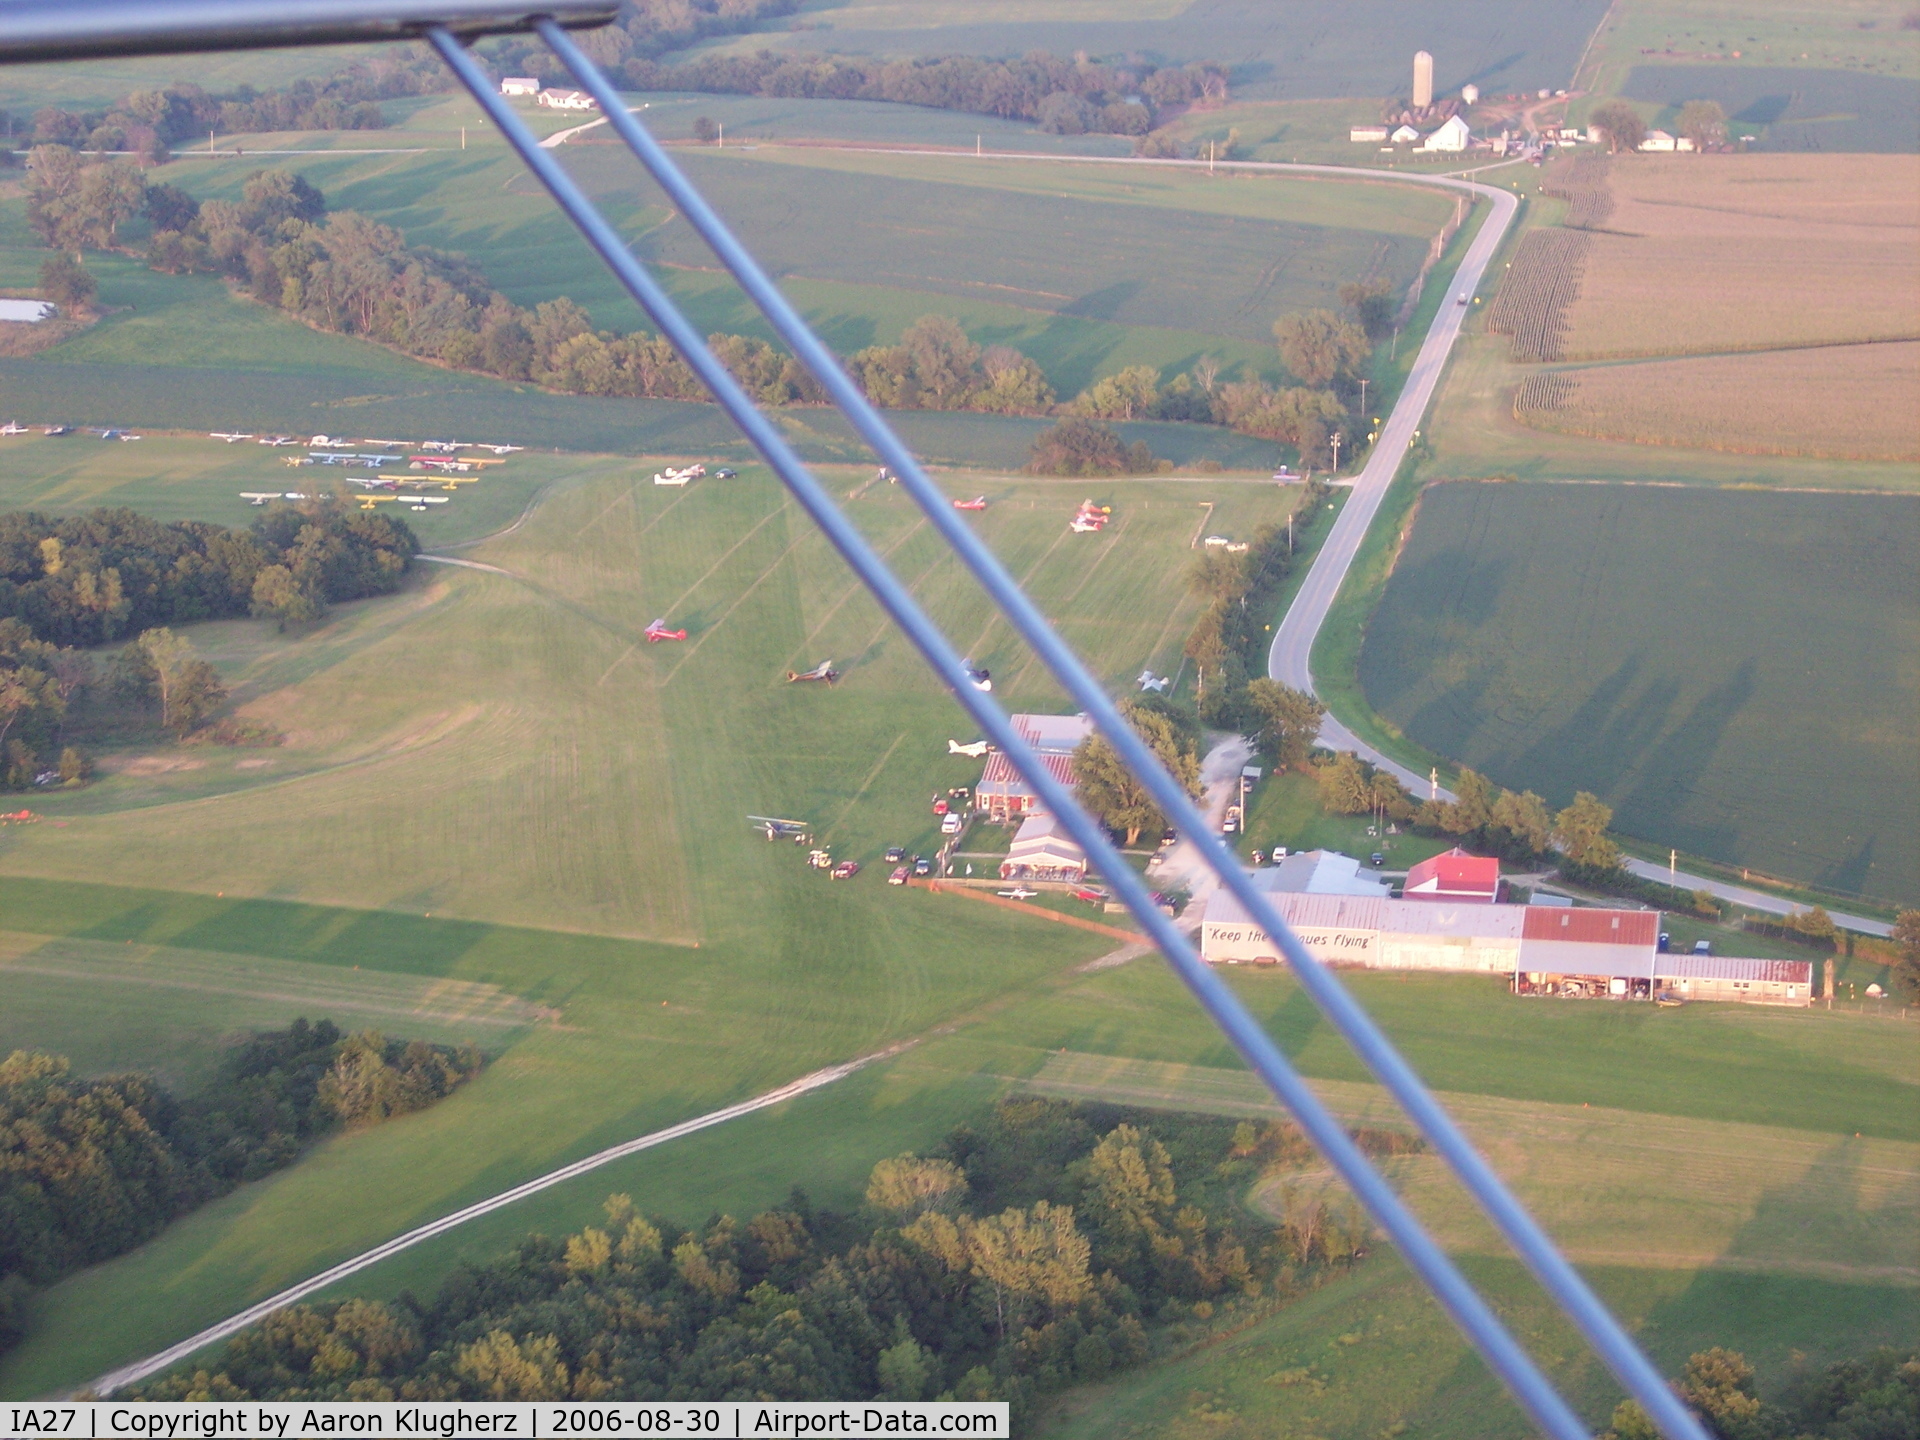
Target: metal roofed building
{"points": [[1734, 977], [1455, 876], [1002, 792], [1573, 951], [1322, 872], [1042, 850]]}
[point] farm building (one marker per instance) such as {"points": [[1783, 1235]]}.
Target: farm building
{"points": [[1602, 952], [1732, 977], [1363, 134], [1455, 876], [1003, 793], [1042, 850], [1405, 135], [568, 100], [1452, 135], [1572, 951], [1661, 140], [1323, 872], [519, 85]]}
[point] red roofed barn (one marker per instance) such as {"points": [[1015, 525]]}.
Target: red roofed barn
{"points": [[1456, 877]]}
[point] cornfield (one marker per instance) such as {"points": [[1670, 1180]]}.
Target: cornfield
{"points": [[1750, 252], [1585, 189], [1543, 282], [1840, 402]]}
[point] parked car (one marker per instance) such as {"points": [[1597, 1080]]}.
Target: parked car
{"points": [[922, 867], [1665, 941], [846, 870], [950, 824], [895, 854], [724, 473], [1378, 859], [1703, 947], [899, 876]]}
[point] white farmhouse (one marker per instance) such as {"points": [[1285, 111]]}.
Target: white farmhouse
{"points": [[519, 85], [568, 100]]}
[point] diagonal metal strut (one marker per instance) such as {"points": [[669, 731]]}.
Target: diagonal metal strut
{"points": [[1468, 1310]]}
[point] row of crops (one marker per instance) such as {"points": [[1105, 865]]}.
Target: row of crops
{"points": [[1531, 308]]}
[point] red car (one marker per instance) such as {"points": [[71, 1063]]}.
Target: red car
{"points": [[899, 876], [846, 870]]}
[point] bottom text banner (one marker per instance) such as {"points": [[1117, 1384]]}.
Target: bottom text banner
{"points": [[522, 1420]]}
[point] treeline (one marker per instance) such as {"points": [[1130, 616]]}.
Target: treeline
{"points": [[1048, 1245], [1876, 1397], [91, 1168], [149, 122], [82, 580], [345, 273], [1063, 97]]}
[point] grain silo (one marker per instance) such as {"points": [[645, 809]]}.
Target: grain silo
{"points": [[1422, 79]]}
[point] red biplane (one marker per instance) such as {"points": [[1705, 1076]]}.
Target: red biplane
{"points": [[657, 631]]}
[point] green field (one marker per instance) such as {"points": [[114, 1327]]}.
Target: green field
{"points": [[1318, 50], [1672, 650]]}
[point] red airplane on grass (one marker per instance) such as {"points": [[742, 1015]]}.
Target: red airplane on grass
{"points": [[657, 631], [979, 502]]}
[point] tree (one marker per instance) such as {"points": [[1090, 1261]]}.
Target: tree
{"points": [[1345, 787], [1083, 447], [705, 130], [280, 597], [1622, 126], [1718, 1384], [946, 364], [1122, 396], [1581, 829], [1372, 304], [1318, 346], [1289, 721], [1109, 790], [1217, 575], [170, 208], [1703, 122], [1906, 964], [109, 194], [908, 1186], [1472, 809], [1525, 820], [65, 281], [188, 688]]}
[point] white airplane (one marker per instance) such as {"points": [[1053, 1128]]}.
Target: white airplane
{"points": [[427, 462], [386, 444], [449, 446], [499, 449], [1149, 681], [322, 440], [334, 457], [13, 427], [673, 477], [276, 440], [972, 752], [375, 482], [1019, 892], [1088, 524], [261, 497], [230, 436]]}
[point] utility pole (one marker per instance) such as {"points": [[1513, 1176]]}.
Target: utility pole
{"points": [[1337, 438], [1363, 398], [1673, 863], [1209, 157], [723, 135], [976, 145], [1433, 784], [463, 145]]}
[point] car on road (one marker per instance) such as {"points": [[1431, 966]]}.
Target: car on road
{"points": [[899, 875], [922, 867], [1460, 300], [895, 854], [846, 870]]}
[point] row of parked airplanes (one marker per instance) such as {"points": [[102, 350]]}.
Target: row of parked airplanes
{"points": [[14, 427], [323, 442]]}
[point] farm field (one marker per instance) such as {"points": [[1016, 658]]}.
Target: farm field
{"points": [[1670, 649], [1750, 252], [1317, 51], [1840, 402], [1843, 42]]}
